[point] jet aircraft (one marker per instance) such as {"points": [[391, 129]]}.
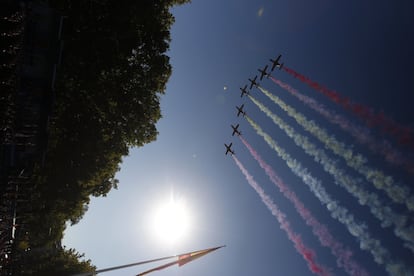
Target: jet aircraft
{"points": [[228, 148], [244, 91], [240, 110], [276, 63], [235, 130], [253, 82], [263, 72]]}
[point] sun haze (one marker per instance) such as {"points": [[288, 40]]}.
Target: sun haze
{"points": [[171, 221]]}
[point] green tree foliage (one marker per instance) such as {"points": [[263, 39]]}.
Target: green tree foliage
{"points": [[56, 261], [114, 70]]}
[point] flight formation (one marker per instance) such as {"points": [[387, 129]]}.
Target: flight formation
{"points": [[388, 199], [244, 91]]}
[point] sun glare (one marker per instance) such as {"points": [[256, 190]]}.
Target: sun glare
{"points": [[171, 221]]}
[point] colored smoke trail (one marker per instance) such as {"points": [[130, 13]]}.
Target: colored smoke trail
{"points": [[398, 193], [361, 134], [404, 135], [359, 231], [344, 256], [377, 207], [307, 253]]}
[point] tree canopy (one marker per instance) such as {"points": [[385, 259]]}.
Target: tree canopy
{"points": [[113, 72], [57, 261]]}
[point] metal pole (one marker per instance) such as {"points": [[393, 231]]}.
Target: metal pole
{"points": [[122, 266]]}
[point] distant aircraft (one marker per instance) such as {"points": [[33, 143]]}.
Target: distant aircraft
{"points": [[244, 91], [228, 148], [275, 63], [240, 110], [253, 82], [263, 72], [235, 130]]}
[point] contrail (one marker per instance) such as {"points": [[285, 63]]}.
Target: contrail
{"points": [[377, 207], [403, 134], [361, 134], [344, 256], [307, 253], [359, 231], [398, 193]]}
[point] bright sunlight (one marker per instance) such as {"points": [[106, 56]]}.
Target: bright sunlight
{"points": [[171, 221]]}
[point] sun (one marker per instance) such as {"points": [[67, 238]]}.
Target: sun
{"points": [[171, 221]]}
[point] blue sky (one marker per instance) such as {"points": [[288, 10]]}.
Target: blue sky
{"points": [[361, 50]]}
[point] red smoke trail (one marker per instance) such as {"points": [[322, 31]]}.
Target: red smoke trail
{"points": [[404, 135], [343, 255], [307, 253], [361, 134]]}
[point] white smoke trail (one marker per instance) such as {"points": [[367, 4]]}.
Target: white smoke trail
{"points": [[359, 231], [397, 192], [307, 253], [343, 255], [361, 134], [377, 207]]}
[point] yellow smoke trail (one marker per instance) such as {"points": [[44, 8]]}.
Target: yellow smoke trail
{"points": [[377, 207], [398, 193], [359, 231]]}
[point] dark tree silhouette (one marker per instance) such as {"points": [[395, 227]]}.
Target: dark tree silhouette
{"points": [[113, 72], [58, 261]]}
